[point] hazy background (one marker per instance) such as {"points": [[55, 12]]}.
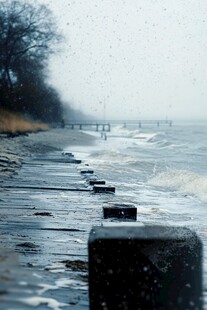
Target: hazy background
{"points": [[132, 59]]}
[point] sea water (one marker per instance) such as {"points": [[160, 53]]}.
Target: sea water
{"points": [[161, 170]]}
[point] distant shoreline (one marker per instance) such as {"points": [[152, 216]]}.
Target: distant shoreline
{"points": [[14, 150]]}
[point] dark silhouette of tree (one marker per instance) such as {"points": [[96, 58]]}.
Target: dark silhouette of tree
{"points": [[27, 37], [33, 95]]}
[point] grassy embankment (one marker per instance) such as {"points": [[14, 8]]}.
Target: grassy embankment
{"points": [[14, 123]]}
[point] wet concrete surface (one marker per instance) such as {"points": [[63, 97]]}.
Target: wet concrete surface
{"points": [[47, 212]]}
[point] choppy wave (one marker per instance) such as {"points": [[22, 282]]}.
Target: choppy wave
{"points": [[164, 143], [111, 155], [121, 131], [151, 138], [160, 140], [183, 181]]}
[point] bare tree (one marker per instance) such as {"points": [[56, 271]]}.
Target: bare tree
{"points": [[24, 30], [28, 35]]}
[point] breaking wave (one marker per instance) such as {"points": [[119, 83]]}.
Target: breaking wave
{"points": [[112, 155], [184, 181], [121, 131]]}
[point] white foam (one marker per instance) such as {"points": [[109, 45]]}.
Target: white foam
{"points": [[46, 287], [120, 131], [111, 156], [37, 301], [76, 240], [76, 284], [123, 224], [183, 181]]}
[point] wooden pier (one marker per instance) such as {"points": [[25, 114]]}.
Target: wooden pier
{"points": [[154, 122], [98, 126], [106, 126], [141, 123]]}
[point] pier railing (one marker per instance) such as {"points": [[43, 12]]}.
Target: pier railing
{"points": [[142, 122], [99, 125], [154, 122]]}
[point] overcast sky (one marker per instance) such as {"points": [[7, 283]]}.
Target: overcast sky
{"points": [[132, 59]]}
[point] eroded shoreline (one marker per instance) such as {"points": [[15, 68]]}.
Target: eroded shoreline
{"points": [[14, 149], [43, 242]]}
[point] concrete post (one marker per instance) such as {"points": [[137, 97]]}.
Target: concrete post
{"points": [[144, 267], [120, 211], [103, 189]]}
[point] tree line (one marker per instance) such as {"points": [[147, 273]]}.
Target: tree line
{"points": [[28, 36]]}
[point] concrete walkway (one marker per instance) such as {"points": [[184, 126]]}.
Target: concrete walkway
{"points": [[47, 211]]}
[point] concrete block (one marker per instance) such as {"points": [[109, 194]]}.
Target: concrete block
{"points": [[144, 267], [88, 171], [120, 211], [103, 189], [68, 154], [97, 182], [74, 161]]}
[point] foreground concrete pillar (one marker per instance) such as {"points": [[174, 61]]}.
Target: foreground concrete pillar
{"points": [[144, 267]]}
